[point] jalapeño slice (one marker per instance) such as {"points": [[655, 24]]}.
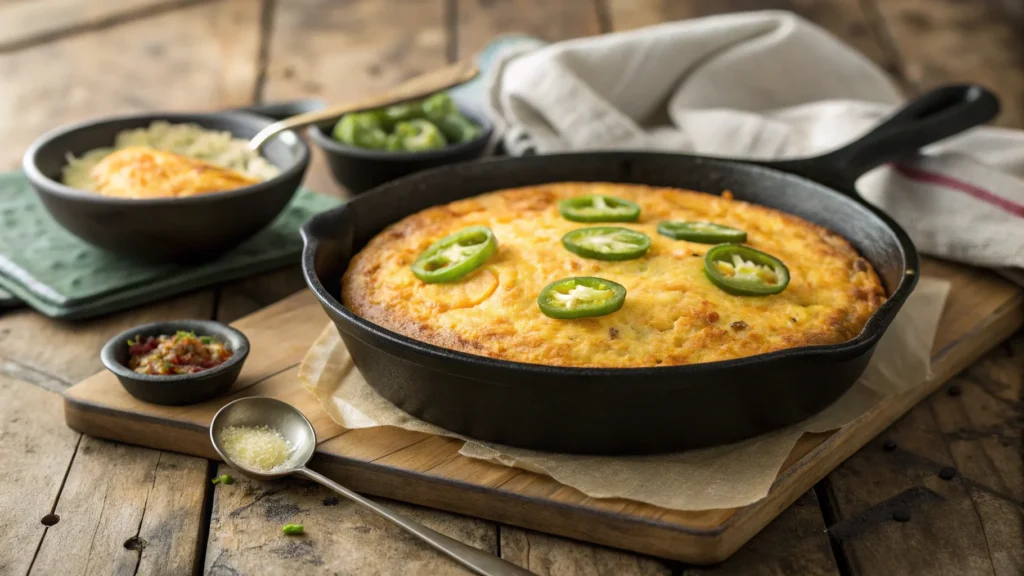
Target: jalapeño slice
{"points": [[702, 232], [452, 257], [607, 243], [744, 271], [581, 297], [599, 208]]}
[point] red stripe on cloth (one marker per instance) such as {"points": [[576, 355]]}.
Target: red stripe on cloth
{"points": [[954, 184]]}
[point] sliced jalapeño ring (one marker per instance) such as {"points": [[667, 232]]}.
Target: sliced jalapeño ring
{"points": [[702, 232], [744, 271], [607, 243], [599, 208], [454, 256], [581, 297]]}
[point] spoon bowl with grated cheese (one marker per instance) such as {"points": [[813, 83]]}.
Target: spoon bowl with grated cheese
{"points": [[265, 438]]}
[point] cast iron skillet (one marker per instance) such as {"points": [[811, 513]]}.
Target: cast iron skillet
{"points": [[168, 229], [639, 410]]}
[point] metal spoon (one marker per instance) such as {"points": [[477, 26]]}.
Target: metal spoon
{"points": [[283, 417], [419, 87]]}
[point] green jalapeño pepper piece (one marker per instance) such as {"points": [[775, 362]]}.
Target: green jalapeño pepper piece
{"points": [[392, 115], [607, 243], [744, 271], [581, 297], [361, 129], [458, 128], [419, 135], [599, 208], [438, 106], [702, 232], [452, 257]]}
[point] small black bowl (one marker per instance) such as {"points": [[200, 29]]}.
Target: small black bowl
{"points": [[360, 169], [188, 229], [182, 388]]}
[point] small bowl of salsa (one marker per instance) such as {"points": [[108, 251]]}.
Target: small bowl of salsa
{"points": [[177, 362]]}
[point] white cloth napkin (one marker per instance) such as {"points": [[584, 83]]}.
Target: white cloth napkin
{"points": [[760, 85]]}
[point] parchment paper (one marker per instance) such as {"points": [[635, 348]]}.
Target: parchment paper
{"points": [[720, 477]]}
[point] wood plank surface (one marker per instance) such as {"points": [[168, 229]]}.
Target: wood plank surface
{"points": [[34, 454], [38, 21], [480, 21], [844, 18], [547, 555], [942, 41], [340, 537]]}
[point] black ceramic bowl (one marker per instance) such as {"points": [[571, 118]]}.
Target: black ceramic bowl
{"points": [[161, 229], [359, 169], [182, 388]]}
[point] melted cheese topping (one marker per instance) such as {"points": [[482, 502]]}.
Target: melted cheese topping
{"points": [[672, 314], [259, 448], [139, 172], [580, 295]]}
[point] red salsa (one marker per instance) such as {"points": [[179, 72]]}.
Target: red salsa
{"points": [[182, 353]]}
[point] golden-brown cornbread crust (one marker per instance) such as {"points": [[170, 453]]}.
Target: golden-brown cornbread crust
{"points": [[672, 315]]}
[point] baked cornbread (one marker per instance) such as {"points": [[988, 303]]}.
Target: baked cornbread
{"points": [[672, 314]]}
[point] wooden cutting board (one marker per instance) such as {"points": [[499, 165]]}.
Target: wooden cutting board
{"points": [[982, 310]]}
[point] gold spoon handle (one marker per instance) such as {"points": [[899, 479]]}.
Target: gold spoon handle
{"points": [[419, 87], [476, 560]]}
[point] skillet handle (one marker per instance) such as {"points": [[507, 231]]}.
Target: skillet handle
{"points": [[934, 116]]}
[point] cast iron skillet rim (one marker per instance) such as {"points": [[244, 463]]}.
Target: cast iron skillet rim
{"points": [[868, 336], [235, 339], [58, 188], [317, 133]]}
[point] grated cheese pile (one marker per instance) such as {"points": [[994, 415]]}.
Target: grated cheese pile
{"points": [[260, 448]]}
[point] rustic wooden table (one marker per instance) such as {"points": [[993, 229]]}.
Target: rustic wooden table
{"points": [[77, 505]]}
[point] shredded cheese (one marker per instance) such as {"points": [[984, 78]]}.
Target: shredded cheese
{"points": [[606, 243], [259, 448], [580, 293], [743, 269]]}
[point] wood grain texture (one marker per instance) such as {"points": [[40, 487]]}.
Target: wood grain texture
{"points": [[41, 349], [984, 430], [199, 57], [943, 536], [244, 297], [972, 523], [35, 448], [100, 508], [480, 21], [547, 555], [794, 543], [844, 18], [340, 537], [172, 522], [22, 22], [942, 41]]}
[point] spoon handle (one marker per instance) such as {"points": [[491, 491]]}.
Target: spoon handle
{"points": [[418, 87], [476, 560]]}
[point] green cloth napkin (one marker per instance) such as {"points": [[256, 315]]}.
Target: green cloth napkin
{"points": [[61, 276]]}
